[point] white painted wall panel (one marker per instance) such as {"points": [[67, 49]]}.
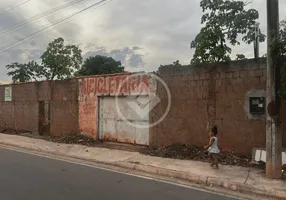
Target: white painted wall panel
{"points": [[113, 125]]}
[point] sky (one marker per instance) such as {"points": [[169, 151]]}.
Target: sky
{"points": [[142, 34]]}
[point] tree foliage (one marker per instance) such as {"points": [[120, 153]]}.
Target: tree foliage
{"points": [[60, 61], [224, 21], [176, 63], [23, 72], [240, 57], [278, 52], [100, 65]]}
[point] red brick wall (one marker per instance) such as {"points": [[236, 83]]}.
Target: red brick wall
{"points": [[6, 111], [22, 113], [64, 108], [90, 88], [44, 90], [25, 99], [207, 95], [7, 115]]}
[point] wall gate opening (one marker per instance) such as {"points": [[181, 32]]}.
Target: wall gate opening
{"points": [[113, 126]]}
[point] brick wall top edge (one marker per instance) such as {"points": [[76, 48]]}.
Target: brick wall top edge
{"points": [[16, 84], [227, 66], [39, 82], [112, 75], [104, 75], [72, 79]]}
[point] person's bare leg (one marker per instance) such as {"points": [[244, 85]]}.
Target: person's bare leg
{"points": [[212, 160], [216, 162]]}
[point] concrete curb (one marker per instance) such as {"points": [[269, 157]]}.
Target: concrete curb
{"points": [[210, 181]]}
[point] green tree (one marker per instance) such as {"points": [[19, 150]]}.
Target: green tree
{"points": [[224, 21], [60, 61], [176, 63], [23, 72], [240, 57], [100, 65], [278, 51]]}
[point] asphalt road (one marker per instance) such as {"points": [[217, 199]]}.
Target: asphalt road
{"points": [[29, 177]]}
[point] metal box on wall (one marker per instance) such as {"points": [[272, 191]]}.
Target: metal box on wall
{"points": [[257, 105]]}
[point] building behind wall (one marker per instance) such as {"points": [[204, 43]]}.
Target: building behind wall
{"points": [[220, 94]]}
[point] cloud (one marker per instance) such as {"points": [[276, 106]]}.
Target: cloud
{"points": [[141, 34]]}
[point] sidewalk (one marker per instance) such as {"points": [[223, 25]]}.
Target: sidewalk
{"points": [[234, 178]]}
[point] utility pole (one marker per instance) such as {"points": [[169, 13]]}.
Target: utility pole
{"points": [[273, 130], [256, 41]]}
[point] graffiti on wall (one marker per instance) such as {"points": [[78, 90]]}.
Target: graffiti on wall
{"points": [[137, 84]]}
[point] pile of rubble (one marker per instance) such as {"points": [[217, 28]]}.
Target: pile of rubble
{"points": [[68, 139], [74, 139], [10, 131]]}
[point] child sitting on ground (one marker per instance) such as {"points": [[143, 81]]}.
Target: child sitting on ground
{"points": [[212, 147]]}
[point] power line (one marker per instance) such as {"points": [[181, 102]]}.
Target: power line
{"points": [[89, 8], [39, 16], [14, 7]]}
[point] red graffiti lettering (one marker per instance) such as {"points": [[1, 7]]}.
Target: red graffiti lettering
{"points": [[134, 81], [91, 88], [84, 86], [106, 88], [145, 80], [112, 85], [124, 85], [101, 85]]}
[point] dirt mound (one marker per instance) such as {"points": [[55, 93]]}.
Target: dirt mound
{"points": [[10, 131], [74, 139], [185, 152]]}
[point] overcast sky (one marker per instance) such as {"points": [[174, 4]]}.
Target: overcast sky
{"points": [[141, 33]]}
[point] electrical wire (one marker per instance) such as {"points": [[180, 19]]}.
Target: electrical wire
{"points": [[83, 11], [14, 7], [39, 16]]}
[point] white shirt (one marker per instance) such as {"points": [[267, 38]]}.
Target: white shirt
{"points": [[214, 148]]}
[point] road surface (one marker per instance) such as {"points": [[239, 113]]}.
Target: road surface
{"points": [[30, 177]]}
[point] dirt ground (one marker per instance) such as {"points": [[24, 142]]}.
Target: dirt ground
{"points": [[73, 139]]}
